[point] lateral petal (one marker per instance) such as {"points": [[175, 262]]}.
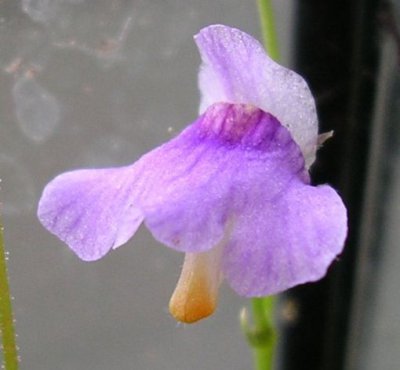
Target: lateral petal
{"points": [[282, 242], [92, 211]]}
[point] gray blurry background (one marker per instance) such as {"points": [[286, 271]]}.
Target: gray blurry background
{"points": [[99, 83]]}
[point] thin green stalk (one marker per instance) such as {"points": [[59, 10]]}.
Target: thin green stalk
{"points": [[265, 337], [262, 336], [10, 351], [268, 29]]}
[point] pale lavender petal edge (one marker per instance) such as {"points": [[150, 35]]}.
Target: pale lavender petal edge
{"points": [[236, 69], [92, 211]]}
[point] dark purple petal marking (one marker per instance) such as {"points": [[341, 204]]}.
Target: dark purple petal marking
{"points": [[238, 150], [236, 69]]}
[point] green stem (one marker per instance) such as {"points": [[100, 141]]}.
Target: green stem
{"points": [[262, 337], [10, 351], [268, 30]]}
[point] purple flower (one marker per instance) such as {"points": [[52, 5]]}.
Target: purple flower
{"points": [[232, 190]]}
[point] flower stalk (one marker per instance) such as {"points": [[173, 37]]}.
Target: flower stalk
{"points": [[268, 29], [262, 337], [10, 349]]}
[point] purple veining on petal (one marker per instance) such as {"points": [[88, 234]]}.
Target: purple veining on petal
{"points": [[189, 209], [236, 69]]}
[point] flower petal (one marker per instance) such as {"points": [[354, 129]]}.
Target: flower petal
{"points": [[185, 204], [236, 69], [91, 210], [286, 241], [201, 180]]}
